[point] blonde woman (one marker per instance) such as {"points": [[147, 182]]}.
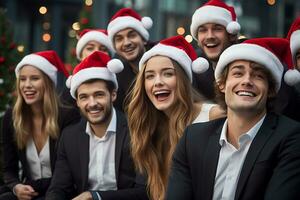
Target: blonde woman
{"points": [[31, 129], [161, 105]]}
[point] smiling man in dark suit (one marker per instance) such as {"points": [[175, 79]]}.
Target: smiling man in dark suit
{"points": [[253, 153], [93, 160]]}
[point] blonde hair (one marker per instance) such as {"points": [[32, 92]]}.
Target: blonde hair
{"points": [[22, 113], [154, 136]]}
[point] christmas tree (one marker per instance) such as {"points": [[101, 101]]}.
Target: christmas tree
{"points": [[9, 57], [84, 22]]}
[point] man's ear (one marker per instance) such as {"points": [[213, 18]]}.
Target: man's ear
{"points": [[114, 95], [221, 87]]}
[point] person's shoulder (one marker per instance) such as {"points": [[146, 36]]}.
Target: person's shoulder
{"points": [[287, 122], [68, 115], [205, 128], [74, 129], [216, 112], [121, 118]]}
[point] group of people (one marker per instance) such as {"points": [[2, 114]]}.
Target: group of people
{"points": [[154, 120]]}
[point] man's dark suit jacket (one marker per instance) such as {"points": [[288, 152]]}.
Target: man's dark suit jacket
{"points": [[71, 171], [271, 169], [12, 155]]}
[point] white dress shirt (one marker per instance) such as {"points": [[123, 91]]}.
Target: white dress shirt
{"points": [[231, 161], [39, 164], [102, 174]]}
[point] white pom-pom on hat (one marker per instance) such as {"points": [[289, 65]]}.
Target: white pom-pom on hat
{"points": [[68, 81], [200, 65], [292, 77], [147, 22], [233, 27], [115, 66]]}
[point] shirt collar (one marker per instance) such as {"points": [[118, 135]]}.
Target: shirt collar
{"points": [[112, 127], [250, 134]]}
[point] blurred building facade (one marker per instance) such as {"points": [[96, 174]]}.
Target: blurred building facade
{"points": [[258, 18]]}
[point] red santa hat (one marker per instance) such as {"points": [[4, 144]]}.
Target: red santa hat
{"points": [[46, 61], [128, 18], [272, 53], [292, 76], [98, 65], [98, 35], [178, 49], [215, 11]]}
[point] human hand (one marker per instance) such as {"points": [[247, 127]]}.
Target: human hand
{"points": [[84, 196], [24, 192]]}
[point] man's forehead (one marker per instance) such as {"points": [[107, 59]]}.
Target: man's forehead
{"points": [[211, 24], [243, 63], [125, 31]]}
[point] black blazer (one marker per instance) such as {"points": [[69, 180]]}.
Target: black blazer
{"points": [[12, 155], [271, 169], [71, 171]]}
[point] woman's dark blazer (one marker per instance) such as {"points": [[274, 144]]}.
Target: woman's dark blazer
{"points": [[12, 156]]}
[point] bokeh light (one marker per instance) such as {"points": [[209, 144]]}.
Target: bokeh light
{"points": [[43, 10], [76, 26], [271, 2], [88, 2], [188, 38], [46, 37], [20, 48], [180, 31]]}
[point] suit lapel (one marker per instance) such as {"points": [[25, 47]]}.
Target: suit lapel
{"points": [[120, 134], [83, 141], [210, 163], [257, 145], [52, 151]]}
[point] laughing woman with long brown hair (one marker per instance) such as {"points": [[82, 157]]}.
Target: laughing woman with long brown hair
{"points": [[160, 106], [31, 129]]}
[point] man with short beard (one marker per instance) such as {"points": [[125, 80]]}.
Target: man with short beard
{"points": [[128, 32], [93, 160], [214, 26]]}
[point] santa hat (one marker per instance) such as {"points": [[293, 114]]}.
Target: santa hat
{"points": [[98, 65], [98, 35], [128, 18], [292, 76], [272, 53], [178, 49], [215, 11], [46, 61]]}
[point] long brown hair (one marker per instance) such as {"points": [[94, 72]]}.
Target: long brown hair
{"points": [[22, 113], [154, 135]]}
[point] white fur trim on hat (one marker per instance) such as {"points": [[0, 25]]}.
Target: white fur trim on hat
{"points": [[292, 77], [115, 66], [212, 14], [91, 73], [200, 65], [147, 22], [124, 22], [176, 54], [295, 44], [39, 62], [233, 27], [253, 53], [68, 81], [93, 36]]}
